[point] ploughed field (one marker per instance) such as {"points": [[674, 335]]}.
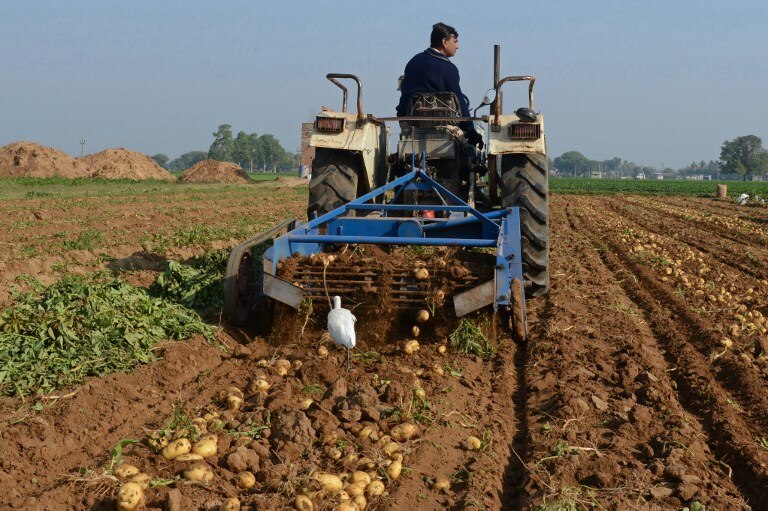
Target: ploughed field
{"points": [[642, 386]]}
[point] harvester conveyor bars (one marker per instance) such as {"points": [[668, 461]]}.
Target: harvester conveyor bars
{"points": [[465, 227]]}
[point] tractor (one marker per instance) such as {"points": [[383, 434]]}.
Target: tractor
{"points": [[435, 189]]}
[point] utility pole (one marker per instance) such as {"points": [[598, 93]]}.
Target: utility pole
{"points": [[82, 144]]}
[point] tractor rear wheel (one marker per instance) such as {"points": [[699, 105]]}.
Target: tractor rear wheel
{"points": [[524, 184], [334, 180]]}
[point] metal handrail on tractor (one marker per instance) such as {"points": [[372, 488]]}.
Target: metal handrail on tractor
{"points": [[497, 110], [332, 77]]}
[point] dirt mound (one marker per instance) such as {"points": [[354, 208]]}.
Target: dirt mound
{"points": [[212, 171], [34, 160], [123, 164]]}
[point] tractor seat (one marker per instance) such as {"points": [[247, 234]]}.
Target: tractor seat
{"points": [[433, 104]]}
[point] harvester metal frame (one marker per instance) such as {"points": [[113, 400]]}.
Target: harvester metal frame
{"points": [[464, 227]]}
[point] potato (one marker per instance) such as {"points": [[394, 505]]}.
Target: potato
{"points": [[261, 385], [366, 463], [472, 443], [125, 471], [303, 503], [188, 457], [234, 403], [180, 446], [419, 392], [422, 316], [374, 489], [342, 496], [411, 346], [245, 480], [306, 403], [201, 425], [365, 432], [389, 449], [206, 446], [333, 453], [415, 330], [141, 479], [421, 274], [360, 502], [350, 459], [296, 364], [357, 488], [441, 349], [231, 504], [130, 496], [282, 366], [345, 506], [359, 476], [394, 469], [442, 484], [330, 483], [438, 370], [157, 443], [234, 391], [404, 431], [726, 343], [200, 473], [322, 352]]}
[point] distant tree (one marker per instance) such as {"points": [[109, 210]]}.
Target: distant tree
{"points": [[246, 150], [744, 156], [573, 163], [223, 144], [272, 152], [186, 160], [161, 159], [612, 167]]}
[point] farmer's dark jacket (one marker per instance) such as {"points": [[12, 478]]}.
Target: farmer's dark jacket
{"points": [[431, 71]]}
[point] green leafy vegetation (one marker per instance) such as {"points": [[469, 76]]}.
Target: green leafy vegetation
{"points": [[198, 286], [84, 326], [470, 339], [588, 186]]}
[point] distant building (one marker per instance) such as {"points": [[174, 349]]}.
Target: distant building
{"points": [[307, 152]]}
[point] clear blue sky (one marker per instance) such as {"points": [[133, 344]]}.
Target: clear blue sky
{"points": [[652, 81]]}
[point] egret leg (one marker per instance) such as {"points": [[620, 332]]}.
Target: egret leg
{"points": [[347, 360]]}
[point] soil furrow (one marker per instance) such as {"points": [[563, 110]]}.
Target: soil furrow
{"points": [[730, 437], [735, 374]]}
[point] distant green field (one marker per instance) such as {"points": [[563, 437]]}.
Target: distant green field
{"points": [[31, 187], [652, 186]]}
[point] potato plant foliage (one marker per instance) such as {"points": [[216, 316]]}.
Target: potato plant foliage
{"points": [[198, 286], [84, 326]]}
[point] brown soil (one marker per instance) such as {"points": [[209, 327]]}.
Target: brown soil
{"points": [[123, 164], [625, 396], [212, 171], [21, 159], [290, 182]]}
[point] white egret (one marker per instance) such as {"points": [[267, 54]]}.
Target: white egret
{"points": [[341, 326]]}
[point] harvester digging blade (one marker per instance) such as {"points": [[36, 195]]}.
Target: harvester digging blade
{"points": [[474, 299]]}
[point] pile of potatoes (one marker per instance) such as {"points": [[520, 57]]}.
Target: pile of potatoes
{"points": [[344, 478]]}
